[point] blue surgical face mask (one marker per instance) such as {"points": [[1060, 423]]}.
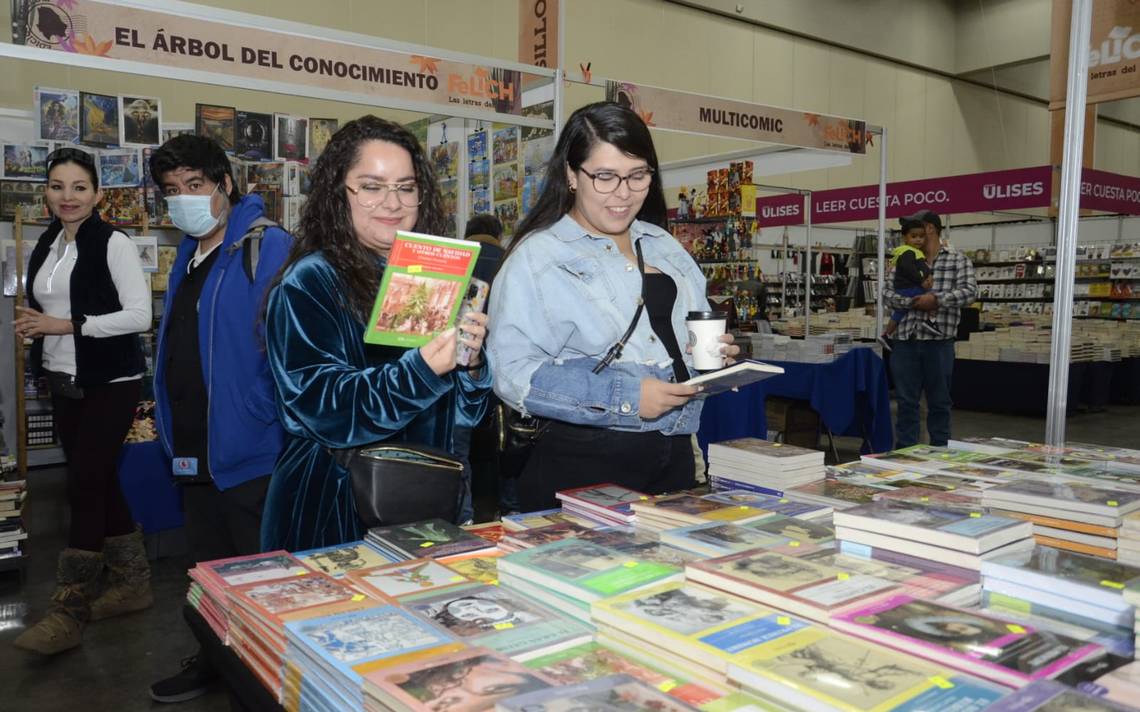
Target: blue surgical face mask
{"points": [[192, 214]]}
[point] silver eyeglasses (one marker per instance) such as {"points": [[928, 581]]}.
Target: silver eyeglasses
{"points": [[608, 182], [369, 195]]}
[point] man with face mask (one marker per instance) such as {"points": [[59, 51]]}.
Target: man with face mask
{"points": [[215, 403]]}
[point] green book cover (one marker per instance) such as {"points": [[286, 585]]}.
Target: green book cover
{"points": [[424, 282], [586, 571]]}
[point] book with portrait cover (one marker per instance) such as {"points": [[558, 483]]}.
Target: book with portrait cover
{"points": [[612, 692], [471, 679], [1050, 696], [960, 529], [818, 669], [997, 649], [500, 619], [806, 588], [424, 282]]}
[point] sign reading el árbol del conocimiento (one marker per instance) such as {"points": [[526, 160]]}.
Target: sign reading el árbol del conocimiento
{"points": [[162, 38], [693, 113]]}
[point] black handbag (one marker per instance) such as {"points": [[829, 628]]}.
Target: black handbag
{"points": [[516, 435], [400, 483]]}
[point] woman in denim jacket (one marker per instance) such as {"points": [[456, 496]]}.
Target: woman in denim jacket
{"points": [[567, 292]]}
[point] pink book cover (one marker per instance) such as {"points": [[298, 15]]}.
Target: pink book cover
{"points": [[606, 495], [993, 648], [221, 574]]}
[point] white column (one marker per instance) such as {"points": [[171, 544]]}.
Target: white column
{"points": [[881, 275]]}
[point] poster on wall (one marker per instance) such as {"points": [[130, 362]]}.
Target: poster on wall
{"points": [[98, 119], [291, 136], [142, 116], [477, 145], [445, 160], [171, 130], [25, 195], [147, 246], [24, 161], [480, 201], [545, 110], [506, 181], [479, 174], [449, 198], [123, 206], [253, 135], [505, 144], [508, 213], [120, 168], [57, 113], [217, 123], [10, 264], [419, 129], [320, 132]]}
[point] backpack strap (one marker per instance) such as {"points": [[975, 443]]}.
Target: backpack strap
{"points": [[250, 245]]}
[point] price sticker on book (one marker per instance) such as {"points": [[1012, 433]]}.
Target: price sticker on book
{"points": [[667, 685], [793, 543], [1112, 503], [427, 544], [358, 598], [302, 573], [923, 499], [783, 501], [630, 564], [975, 515], [415, 269], [504, 626], [1015, 628], [842, 575], [1112, 584], [458, 579], [783, 620], [941, 682]]}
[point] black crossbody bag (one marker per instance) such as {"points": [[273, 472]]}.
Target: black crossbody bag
{"points": [[400, 483]]}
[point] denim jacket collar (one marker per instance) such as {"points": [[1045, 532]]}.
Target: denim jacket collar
{"points": [[567, 229]]}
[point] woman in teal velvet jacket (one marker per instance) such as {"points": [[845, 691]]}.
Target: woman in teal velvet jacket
{"points": [[334, 390]]}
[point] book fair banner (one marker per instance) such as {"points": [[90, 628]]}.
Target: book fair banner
{"points": [[1114, 51], [671, 110], [143, 35]]}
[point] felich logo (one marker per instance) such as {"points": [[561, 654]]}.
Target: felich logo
{"points": [[1121, 45]]}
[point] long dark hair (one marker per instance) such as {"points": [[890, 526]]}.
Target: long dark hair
{"points": [[326, 218], [601, 122]]}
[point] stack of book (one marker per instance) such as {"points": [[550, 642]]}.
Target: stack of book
{"points": [[259, 611], [543, 518], [920, 578], [1067, 514], [481, 566], [468, 679], [833, 493], [391, 582], [1002, 650], [432, 538], [771, 532], [490, 531], [631, 693], [1050, 696], [571, 574], [12, 530], [498, 618], [800, 508], [760, 465], [326, 657], [211, 580], [960, 537], [607, 503], [639, 546], [1081, 590], [528, 538], [1128, 541], [812, 668], [1121, 685], [679, 510], [336, 561]]}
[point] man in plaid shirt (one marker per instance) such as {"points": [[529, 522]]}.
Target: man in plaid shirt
{"points": [[921, 359]]}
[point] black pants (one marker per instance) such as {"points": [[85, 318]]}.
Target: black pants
{"points": [[220, 524], [569, 456], [91, 430]]}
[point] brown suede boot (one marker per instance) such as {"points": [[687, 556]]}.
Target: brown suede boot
{"points": [[126, 578], [77, 580]]}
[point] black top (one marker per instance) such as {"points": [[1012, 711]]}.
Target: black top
{"points": [[660, 296], [93, 292], [185, 383], [910, 271]]}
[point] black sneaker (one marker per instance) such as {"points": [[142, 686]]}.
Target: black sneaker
{"points": [[930, 327], [194, 681], [884, 342]]}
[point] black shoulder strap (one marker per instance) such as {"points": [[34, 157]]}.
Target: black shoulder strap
{"points": [[615, 350]]}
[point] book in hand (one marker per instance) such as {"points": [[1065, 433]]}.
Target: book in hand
{"points": [[741, 373], [424, 283]]}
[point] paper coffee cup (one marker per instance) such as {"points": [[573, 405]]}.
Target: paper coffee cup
{"points": [[705, 330]]}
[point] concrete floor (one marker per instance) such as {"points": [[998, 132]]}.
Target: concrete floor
{"points": [[121, 658]]}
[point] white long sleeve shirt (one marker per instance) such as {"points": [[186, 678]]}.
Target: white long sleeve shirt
{"points": [[52, 289]]}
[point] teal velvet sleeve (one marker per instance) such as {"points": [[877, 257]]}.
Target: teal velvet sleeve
{"points": [[335, 391]]}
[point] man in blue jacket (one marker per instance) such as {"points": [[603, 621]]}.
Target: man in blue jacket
{"points": [[215, 403]]}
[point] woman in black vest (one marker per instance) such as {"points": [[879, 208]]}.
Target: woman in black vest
{"points": [[88, 301]]}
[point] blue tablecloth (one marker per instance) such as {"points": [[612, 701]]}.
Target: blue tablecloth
{"points": [[154, 499], [850, 394]]}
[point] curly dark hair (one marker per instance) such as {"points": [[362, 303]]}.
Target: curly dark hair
{"points": [[326, 218]]}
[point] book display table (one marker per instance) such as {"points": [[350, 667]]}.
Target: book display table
{"points": [[1023, 388], [850, 394], [246, 692]]}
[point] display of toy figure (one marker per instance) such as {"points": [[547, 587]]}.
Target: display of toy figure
{"points": [[683, 205]]}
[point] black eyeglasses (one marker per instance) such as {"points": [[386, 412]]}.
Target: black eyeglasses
{"points": [[607, 181], [70, 154]]}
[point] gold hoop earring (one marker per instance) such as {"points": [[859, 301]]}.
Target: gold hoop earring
{"points": [[573, 189]]}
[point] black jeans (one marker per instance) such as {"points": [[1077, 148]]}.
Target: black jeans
{"points": [[569, 456], [91, 430], [221, 524]]}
